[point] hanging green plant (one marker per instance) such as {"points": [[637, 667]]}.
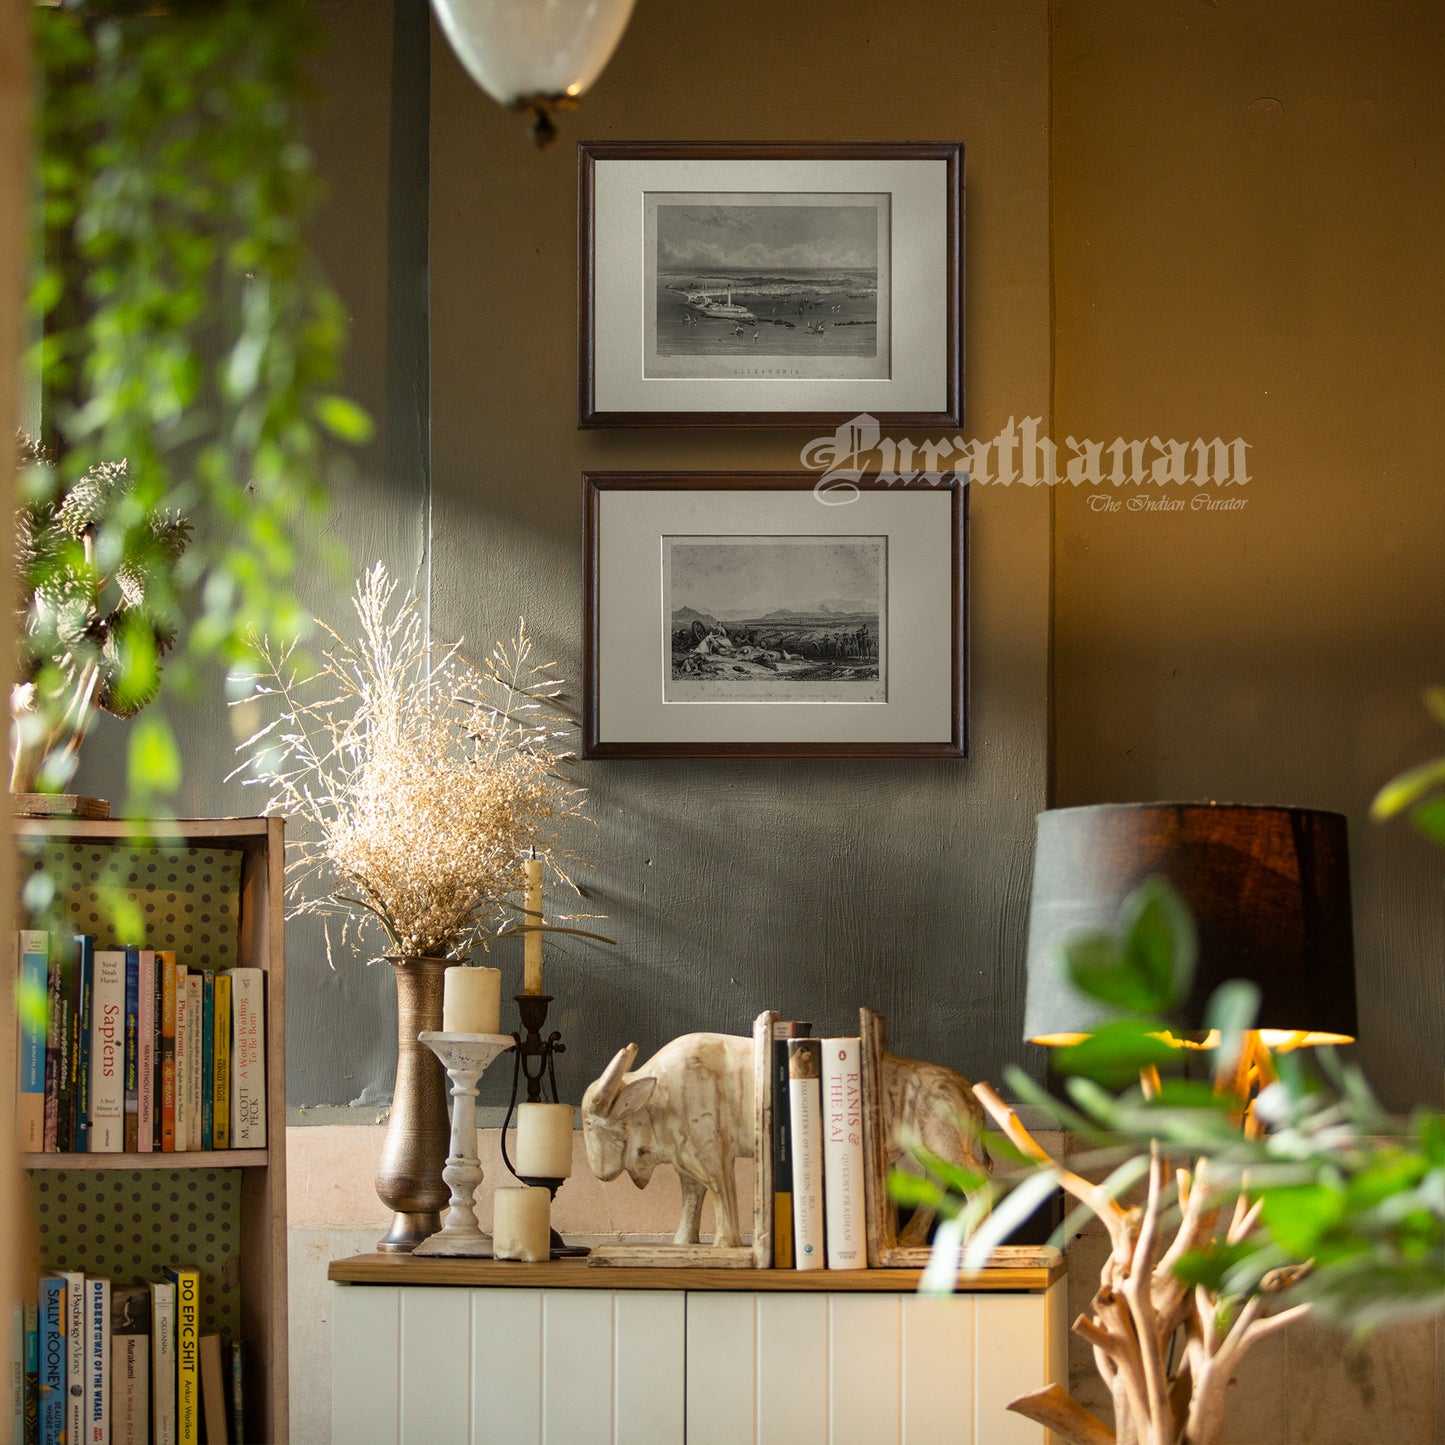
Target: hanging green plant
{"points": [[181, 322]]}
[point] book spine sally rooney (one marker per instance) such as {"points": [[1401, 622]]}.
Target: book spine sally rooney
{"points": [[843, 1154]]}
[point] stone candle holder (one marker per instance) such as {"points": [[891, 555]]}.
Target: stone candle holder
{"points": [[465, 1058]]}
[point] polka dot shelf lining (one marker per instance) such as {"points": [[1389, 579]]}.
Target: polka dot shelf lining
{"points": [[189, 898], [128, 1225]]}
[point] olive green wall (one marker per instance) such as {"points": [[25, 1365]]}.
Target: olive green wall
{"points": [[733, 887], [1241, 204], [1247, 219]]}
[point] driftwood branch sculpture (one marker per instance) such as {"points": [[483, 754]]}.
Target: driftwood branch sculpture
{"points": [[1167, 1352]]}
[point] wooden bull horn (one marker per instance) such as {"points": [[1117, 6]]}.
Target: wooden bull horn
{"points": [[611, 1080]]}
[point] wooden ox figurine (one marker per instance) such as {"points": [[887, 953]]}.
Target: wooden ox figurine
{"points": [[690, 1105]]}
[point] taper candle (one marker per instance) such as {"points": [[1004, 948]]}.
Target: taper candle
{"points": [[532, 940], [522, 1224], [471, 1000], [544, 1141]]}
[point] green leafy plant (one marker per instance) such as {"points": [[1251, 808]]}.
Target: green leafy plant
{"points": [[1225, 1227], [181, 323], [1419, 793], [90, 639]]}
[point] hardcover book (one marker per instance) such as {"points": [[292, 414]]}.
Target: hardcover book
{"points": [[130, 1331], [145, 1070], [107, 1053], [248, 1059], [783, 1144], [67, 949], [843, 1154], [805, 1118], [84, 1009], [195, 1057], [97, 1361], [182, 1061], [76, 1331], [54, 1027], [34, 946], [163, 1362], [208, 1058], [53, 1359], [213, 1391], [131, 1072], [171, 973], [221, 1048], [188, 1360]]}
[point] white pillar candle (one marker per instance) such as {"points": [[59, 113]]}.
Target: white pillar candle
{"points": [[544, 1141], [532, 940], [522, 1224], [471, 1000]]}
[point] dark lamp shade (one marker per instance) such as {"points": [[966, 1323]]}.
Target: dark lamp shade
{"points": [[1269, 889]]}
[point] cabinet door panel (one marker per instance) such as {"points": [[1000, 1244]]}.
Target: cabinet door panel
{"points": [[1011, 1360], [938, 1385], [436, 1356], [792, 1368], [650, 1334], [721, 1369], [577, 1354], [865, 1371], [506, 1366], [365, 1364]]}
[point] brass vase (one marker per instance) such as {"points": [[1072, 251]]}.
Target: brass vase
{"points": [[418, 1134]]}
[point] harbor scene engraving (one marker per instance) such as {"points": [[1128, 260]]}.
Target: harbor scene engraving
{"points": [[789, 286]]}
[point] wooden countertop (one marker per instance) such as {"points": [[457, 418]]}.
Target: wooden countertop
{"points": [[398, 1269]]}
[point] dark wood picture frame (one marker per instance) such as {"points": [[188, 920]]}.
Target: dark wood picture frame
{"points": [[592, 153], [597, 486]]}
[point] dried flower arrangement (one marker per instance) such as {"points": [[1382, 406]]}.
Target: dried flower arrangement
{"points": [[423, 777]]}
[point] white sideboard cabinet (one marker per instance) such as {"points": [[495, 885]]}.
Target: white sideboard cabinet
{"points": [[475, 1352]]}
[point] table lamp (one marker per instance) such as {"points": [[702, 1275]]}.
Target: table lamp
{"points": [[1269, 889]]}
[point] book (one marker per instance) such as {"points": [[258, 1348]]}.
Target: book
{"points": [[221, 1046], [67, 948], [85, 989], [188, 1339], [145, 1066], [236, 1383], [248, 1059], [76, 1322], [130, 1332], [213, 1391], [805, 1119], [195, 990], [843, 1154], [208, 1058], [107, 1052], [15, 1402], [31, 1423], [163, 1362], [97, 1361], [130, 1105], [158, 1028], [34, 946], [52, 1359], [782, 1144], [53, 1061], [170, 973], [182, 1062]]}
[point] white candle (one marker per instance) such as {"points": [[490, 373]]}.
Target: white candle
{"points": [[471, 1000], [532, 940], [544, 1141], [522, 1224]]}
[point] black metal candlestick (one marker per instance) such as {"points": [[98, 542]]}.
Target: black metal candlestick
{"points": [[534, 1058]]}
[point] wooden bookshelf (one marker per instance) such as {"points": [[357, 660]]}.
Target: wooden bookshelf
{"points": [[212, 889]]}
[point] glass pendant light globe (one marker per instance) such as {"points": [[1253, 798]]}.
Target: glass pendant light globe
{"points": [[533, 55]]}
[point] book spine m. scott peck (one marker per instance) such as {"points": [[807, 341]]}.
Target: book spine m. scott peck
{"points": [[805, 1118]]}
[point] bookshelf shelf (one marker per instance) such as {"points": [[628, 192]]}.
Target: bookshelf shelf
{"points": [[212, 889], [123, 1163]]}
